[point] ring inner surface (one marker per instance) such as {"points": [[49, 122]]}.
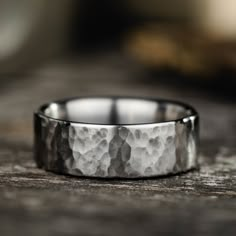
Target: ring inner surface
{"points": [[117, 111]]}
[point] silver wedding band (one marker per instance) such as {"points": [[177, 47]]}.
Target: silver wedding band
{"points": [[119, 137]]}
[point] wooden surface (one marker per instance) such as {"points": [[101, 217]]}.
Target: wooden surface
{"points": [[34, 202]]}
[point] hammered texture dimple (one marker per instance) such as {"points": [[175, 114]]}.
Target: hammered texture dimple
{"points": [[116, 151]]}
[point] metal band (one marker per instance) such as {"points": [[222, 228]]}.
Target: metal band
{"points": [[116, 137]]}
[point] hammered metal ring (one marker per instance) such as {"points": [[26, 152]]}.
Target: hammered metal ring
{"points": [[120, 137]]}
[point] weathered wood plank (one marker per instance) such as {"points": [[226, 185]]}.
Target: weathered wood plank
{"points": [[35, 202]]}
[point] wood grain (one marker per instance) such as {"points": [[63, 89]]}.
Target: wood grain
{"points": [[35, 202]]}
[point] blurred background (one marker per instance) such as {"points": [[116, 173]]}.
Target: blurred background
{"points": [[189, 37], [181, 38], [182, 49]]}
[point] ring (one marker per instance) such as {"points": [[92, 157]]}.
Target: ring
{"points": [[120, 137]]}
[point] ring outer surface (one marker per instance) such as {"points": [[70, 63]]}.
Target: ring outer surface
{"points": [[116, 151]]}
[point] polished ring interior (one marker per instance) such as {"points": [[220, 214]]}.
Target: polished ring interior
{"points": [[116, 137]]}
